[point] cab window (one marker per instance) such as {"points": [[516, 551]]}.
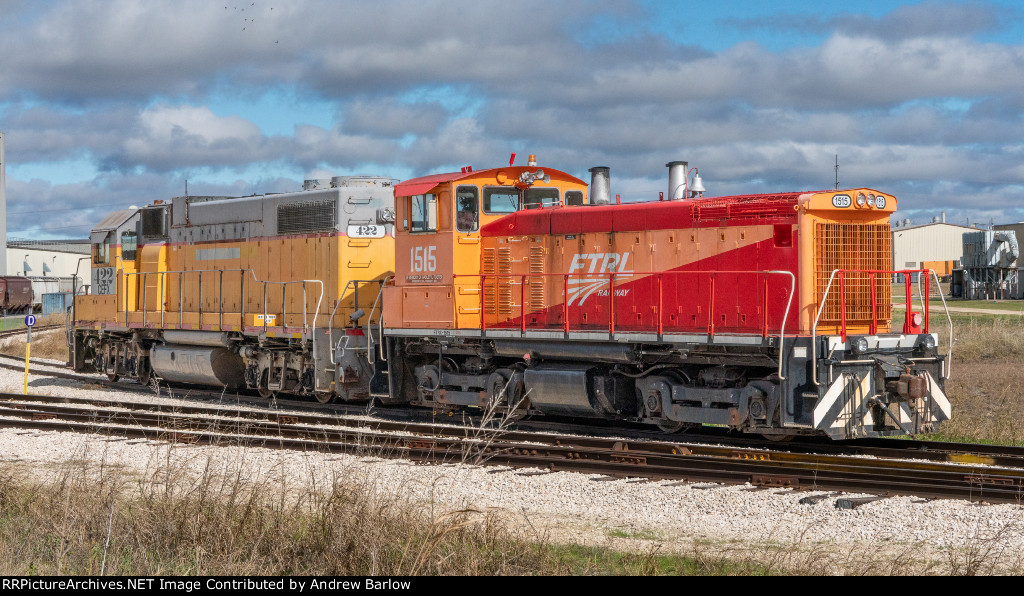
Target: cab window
{"points": [[467, 204], [129, 246], [574, 197], [422, 213], [501, 199], [101, 250], [538, 197]]}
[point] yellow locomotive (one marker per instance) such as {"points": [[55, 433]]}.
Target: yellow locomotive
{"points": [[268, 292]]}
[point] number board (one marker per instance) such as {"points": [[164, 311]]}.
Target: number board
{"points": [[367, 231], [104, 280]]}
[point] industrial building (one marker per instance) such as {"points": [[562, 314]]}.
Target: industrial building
{"points": [[52, 265], [936, 245], [989, 267]]}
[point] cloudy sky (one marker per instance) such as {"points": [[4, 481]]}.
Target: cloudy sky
{"points": [[111, 103]]}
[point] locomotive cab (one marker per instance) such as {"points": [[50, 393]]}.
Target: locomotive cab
{"points": [[439, 223]]}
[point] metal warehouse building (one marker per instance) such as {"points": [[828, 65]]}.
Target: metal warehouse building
{"points": [[913, 246], [50, 264]]}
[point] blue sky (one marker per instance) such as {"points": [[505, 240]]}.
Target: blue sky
{"points": [[110, 103]]}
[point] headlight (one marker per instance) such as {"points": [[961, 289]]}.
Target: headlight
{"points": [[860, 345], [929, 342], [860, 199], [871, 200], [880, 202]]}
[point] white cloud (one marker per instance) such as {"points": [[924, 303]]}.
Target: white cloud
{"points": [[909, 99]]}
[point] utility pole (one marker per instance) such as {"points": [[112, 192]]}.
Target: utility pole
{"points": [[3, 205]]}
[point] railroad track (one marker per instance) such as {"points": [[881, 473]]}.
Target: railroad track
{"points": [[451, 444], [980, 472]]}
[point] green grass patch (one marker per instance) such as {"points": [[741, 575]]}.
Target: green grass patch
{"points": [[634, 534]]}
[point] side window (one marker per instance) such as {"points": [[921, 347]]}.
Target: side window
{"points": [[129, 246], [538, 197], [574, 197], [467, 202], [423, 213], [501, 199], [101, 250]]}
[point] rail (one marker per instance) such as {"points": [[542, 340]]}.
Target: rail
{"points": [[908, 325], [697, 288]]}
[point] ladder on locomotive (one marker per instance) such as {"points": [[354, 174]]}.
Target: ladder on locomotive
{"points": [[377, 362]]}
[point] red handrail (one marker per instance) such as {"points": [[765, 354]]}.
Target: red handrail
{"points": [[872, 274], [657, 277]]}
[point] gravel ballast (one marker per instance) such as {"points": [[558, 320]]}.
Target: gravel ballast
{"points": [[563, 507]]}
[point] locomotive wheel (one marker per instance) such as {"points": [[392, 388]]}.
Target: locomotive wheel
{"points": [[673, 426], [113, 377], [264, 386], [324, 397], [779, 438], [499, 390], [145, 372]]}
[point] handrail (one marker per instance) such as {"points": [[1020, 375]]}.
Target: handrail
{"points": [[242, 310], [659, 276], [344, 290], [220, 298], [369, 320], [949, 319], [873, 327], [785, 317]]}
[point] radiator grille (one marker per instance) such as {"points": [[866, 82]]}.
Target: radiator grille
{"points": [[310, 216], [854, 246]]}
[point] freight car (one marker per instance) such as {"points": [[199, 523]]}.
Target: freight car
{"points": [[524, 289], [17, 294]]}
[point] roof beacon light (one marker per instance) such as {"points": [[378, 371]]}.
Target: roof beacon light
{"points": [[532, 162]]}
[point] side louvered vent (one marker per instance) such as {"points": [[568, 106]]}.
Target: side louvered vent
{"points": [[497, 268], [490, 285], [311, 216], [537, 279], [505, 283]]}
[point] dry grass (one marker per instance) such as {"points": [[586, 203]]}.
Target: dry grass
{"points": [[45, 344], [986, 380], [208, 517], [173, 522], [211, 518]]}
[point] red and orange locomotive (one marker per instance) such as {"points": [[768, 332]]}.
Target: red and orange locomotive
{"points": [[764, 313]]}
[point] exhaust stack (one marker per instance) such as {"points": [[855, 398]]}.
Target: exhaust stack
{"points": [[677, 171], [600, 185]]}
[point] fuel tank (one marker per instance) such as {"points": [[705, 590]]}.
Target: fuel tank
{"points": [[197, 364]]}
